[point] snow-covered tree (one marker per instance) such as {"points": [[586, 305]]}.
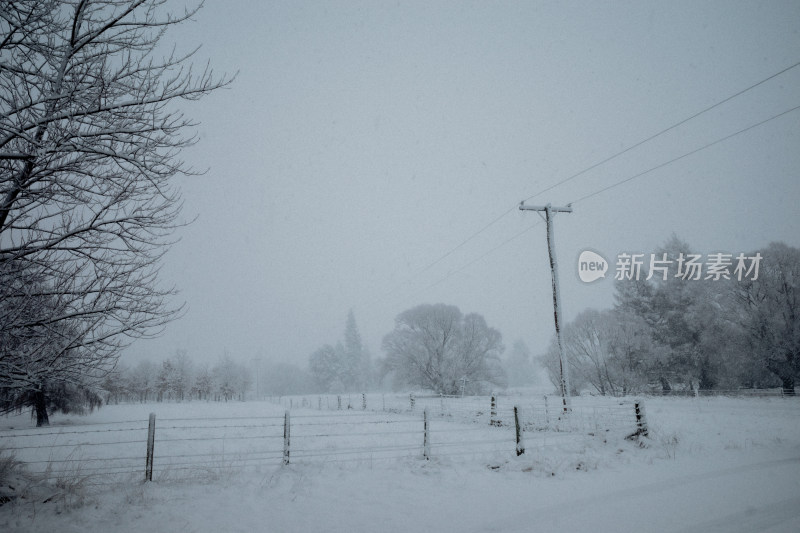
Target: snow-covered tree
{"points": [[680, 313], [40, 357], [174, 380], [89, 146], [769, 311], [231, 379], [203, 384], [142, 380], [325, 365], [605, 350], [436, 347], [345, 367], [356, 361]]}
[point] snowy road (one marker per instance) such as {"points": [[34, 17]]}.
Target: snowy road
{"points": [[755, 496]]}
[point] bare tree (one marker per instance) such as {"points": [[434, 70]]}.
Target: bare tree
{"points": [[89, 143], [608, 351], [438, 348]]}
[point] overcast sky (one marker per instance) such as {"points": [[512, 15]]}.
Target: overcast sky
{"points": [[363, 142]]}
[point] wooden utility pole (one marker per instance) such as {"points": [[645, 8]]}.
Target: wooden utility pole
{"points": [[549, 213]]}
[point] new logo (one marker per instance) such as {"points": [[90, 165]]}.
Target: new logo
{"points": [[591, 266]]}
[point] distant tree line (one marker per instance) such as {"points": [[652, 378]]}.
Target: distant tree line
{"points": [[178, 378], [672, 334]]}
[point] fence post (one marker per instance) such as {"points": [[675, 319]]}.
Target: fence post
{"points": [[546, 412], [520, 442], [641, 418], [426, 446], [411, 398], [493, 413], [339, 403], [151, 440], [286, 429], [363, 401], [319, 403]]}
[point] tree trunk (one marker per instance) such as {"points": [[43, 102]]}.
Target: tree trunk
{"points": [[40, 404], [706, 381], [665, 387], [788, 385]]}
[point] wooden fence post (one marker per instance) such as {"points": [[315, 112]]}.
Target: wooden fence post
{"points": [[426, 446], [641, 418], [411, 399], [520, 442], [363, 401], [151, 439], [493, 413], [286, 429], [339, 403], [546, 412]]}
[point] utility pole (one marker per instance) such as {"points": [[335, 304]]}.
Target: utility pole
{"points": [[549, 213]]}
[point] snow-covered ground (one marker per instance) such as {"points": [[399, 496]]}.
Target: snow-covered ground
{"points": [[710, 464]]}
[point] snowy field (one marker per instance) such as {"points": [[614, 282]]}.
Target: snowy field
{"points": [[709, 464]]}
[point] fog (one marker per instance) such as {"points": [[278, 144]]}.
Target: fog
{"points": [[371, 156]]}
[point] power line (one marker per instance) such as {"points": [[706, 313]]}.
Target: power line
{"points": [[631, 178], [443, 257], [592, 167], [662, 132], [687, 154], [465, 241], [451, 274]]}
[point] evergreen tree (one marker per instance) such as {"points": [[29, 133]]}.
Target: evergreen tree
{"points": [[355, 357]]}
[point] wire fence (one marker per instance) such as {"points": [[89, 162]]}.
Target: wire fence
{"points": [[777, 392], [544, 413], [358, 428]]}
